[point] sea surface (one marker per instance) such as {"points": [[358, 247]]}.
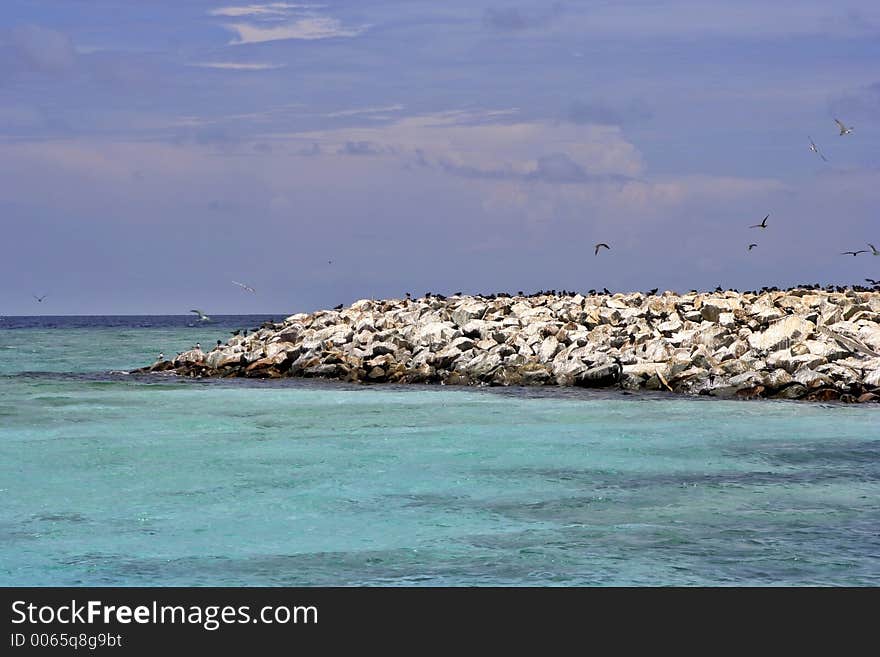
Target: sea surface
{"points": [[110, 479]]}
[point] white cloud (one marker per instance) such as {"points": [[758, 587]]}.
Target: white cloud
{"points": [[238, 66], [365, 110], [310, 28], [476, 144], [270, 9]]}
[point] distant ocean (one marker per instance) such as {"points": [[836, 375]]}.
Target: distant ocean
{"points": [[108, 479]]}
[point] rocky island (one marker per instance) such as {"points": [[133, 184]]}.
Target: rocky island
{"points": [[802, 343]]}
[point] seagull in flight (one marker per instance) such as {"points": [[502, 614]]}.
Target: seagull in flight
{"points": [[854, 253], [600, 245], [763, 224], [874, 250], [202, 316], [245, 287], [843, 129], [816, 150], [39, 299], [752, 246]]}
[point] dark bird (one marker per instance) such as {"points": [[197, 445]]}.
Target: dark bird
{"points": [[236, 332], [816, 150], [339, 307], [600, 245], [854, 253], [39, 299], [605, 290], [843, 129], [874, 250], [872, 281], [763, 224], [752, 246], [653, 291]]}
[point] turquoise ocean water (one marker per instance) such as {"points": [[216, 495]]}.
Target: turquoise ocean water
{"points": [[110, 479]]}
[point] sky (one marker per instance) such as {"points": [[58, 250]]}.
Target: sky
{"points": [[153, 152]]}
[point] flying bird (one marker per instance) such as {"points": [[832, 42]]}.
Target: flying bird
{"points": [[202, 316], [245, 287], [752, 246], [843, 129], [39, 299], [854, 253], [816, 150], [599, 245], [874, 250], [872, 281], [763, 224]]}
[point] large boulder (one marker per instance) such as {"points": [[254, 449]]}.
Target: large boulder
{"points": [[782, 334]]}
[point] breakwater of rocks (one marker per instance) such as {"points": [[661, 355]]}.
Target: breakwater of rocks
{"points": [[794, 344]]}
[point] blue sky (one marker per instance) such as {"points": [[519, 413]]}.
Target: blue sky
{"points": [[153, 152]]}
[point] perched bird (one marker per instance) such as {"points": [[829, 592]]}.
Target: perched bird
{"points": [[161, 356], [763, 224], [605, 290], [339, 307], [600, 245], [653, 291], [843, 129], [752, 246], [854, 253], [245, 287], [236, 332], [815, 149], [202, 316], [874, 250], [198, 346], [39, 299]]}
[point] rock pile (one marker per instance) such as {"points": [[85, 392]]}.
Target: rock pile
{"points": [[792, 344]]}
